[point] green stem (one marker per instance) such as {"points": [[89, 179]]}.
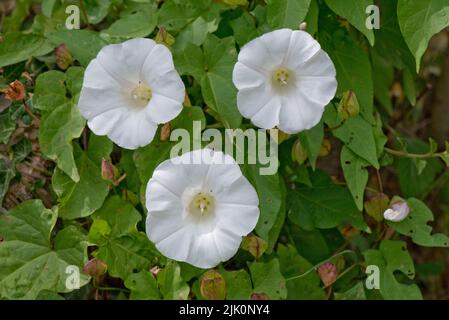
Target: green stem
{"points": [[319, 264], [405, 154]]}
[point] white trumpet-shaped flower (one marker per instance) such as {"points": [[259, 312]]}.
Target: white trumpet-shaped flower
{"points": [[198, 212], [130, 88], [284, 79]]}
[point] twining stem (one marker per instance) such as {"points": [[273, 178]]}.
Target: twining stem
{"points": [[405, 154], [28, 110], [319, 264]]}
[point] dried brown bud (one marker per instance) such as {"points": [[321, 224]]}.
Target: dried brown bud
{"points": [[165, 131], [63, 57], [259, 296], [16, 91], [108, 171], [95, 268]]}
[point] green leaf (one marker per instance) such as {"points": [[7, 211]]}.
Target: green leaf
{"points": [[97, 10], [143, 286], [357, 292], [29, 261], [356, 174], [212, 68], [324, 205], [244, 28], [357, 134], [416, 226], [18, 46], [355, 13], [196, 32], [171, 284], [353, 70], [82, 44], [7, 127], [175, 15], [7, 172], [14, 20], [82, 198], [120, 245], [311, 140], [393, 257], [135, 25], [286, 14], [238, 284], [306, 287], [61, 120], [267, 279], [409, 175], [268, 189], [389, 38], [419, 21]]}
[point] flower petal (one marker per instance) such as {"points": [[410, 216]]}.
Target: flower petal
{"points": [[299, 113], [169, 85], [245, 77], [268, 115], [250, 101], [162, 109], [237, 218], [227, 243], [239, 192], [178, 245], [204, 252], [320, 65], [133, 130], [124, 61], [93, 102], [158, 62], [302, 48]]}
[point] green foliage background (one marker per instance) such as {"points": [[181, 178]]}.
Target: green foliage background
{"points": [[57, 210]]}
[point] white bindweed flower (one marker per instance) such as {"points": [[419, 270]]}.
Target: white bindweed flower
{"points": [[130, 88], [284, 79], [198, 213], [397, 212]]}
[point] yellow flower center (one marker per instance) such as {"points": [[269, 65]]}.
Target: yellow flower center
{"points": [[282, 77], [202, 204], [141, 94]]}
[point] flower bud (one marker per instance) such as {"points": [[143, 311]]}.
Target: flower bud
{"points": [[298, 153], [63, 57], [259, 296], [163, 37], [254, 245], [95, 268], [108, 171], [213, 286], [165, 131], [348, 106], [397, 212], [327, 273], [325, 148], [16, 91]]}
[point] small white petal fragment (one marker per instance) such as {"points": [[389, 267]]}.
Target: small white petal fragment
{"points": [[199, 212], [397, 212], [284, 80], [130, 88]]}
